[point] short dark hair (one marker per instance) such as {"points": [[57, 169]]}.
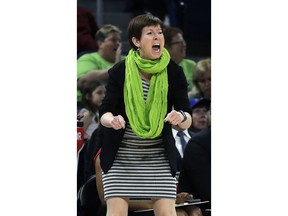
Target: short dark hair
{"points": [[137, 24]]}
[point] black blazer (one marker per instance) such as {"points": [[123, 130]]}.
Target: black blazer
{"points": [[195, 177], [114, 103]]}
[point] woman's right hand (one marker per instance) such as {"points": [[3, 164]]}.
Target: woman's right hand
{"points": [[117, 122], [110, 121]]}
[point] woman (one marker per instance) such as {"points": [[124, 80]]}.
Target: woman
{"points": [[202, 80], [146, 93]]}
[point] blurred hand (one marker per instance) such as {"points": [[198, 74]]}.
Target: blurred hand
{"points": [[118, 122], [118, 54], [182, 197]]}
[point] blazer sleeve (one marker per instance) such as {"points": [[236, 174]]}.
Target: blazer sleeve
{"points": [[178, 93], [113, 101]]}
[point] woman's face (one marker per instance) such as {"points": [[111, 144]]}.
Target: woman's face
{"points": [[110, 45], [200, 118], [151, 43], [205, 85]]}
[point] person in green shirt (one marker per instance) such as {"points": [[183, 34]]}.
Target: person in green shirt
{"points": [[94, 66], [176, 46]]}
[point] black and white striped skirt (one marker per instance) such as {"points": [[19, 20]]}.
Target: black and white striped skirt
{"points": [[140, 170]]}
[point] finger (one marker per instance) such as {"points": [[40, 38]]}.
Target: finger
{"points": [[122, 124], [121, 121], [167, 119]]}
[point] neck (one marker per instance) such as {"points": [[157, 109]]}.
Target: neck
{"points": [[145, 76]]}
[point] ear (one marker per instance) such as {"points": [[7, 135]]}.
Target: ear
{"points": [[87, 96], [99, 42], [136, 42]]}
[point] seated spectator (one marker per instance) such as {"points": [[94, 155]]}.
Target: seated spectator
{"points": [[201, 80], [195, 176], [200, 121], [176, 46], [92, 97], [86, 29], [200, 118], [95, 66]]}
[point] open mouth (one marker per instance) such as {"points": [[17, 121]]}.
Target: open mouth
{"points": [[156, 47]]}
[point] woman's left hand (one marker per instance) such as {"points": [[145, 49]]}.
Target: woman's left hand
{"points": [[174, 117]]}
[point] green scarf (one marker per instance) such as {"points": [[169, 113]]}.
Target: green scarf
{"points": [[146, 119]]}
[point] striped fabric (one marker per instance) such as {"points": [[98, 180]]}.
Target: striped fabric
{"points": [[141, 169]]}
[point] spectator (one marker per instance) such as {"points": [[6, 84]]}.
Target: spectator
{"points": [[202, 80], [199, 122], [195, 176], [94, 66], [176, 45], [200, 117], [92, 97], [86, 29], [138, 154]]}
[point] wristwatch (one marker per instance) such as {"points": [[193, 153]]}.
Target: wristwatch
{"points": [[184, 115]]}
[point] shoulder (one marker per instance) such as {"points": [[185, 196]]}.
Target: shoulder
{"points": [[188, 62], [87, 114], [118, 69], [173, 65], [175, 72], [173, 68], [82, 111], [89, 56], [202, 139]]}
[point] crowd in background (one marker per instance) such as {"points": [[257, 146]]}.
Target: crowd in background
{"points": [[98, 50]]}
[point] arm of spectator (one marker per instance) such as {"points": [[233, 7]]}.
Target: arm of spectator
{"points": [[87, 119], [100, 75]]}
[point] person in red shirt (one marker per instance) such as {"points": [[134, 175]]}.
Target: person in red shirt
{"points": [[86, 29]]}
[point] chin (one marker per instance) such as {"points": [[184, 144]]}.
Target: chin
{"points": [[156, 56]]}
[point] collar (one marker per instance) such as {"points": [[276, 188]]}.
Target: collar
{"points": [[174, 132]]}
